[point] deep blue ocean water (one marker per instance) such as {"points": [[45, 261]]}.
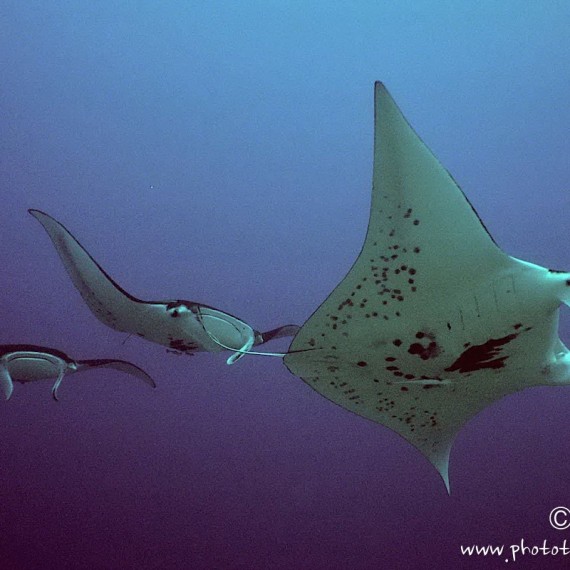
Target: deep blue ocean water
{"points": [[222, 152]]}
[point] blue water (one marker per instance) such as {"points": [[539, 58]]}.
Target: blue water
{"points": [[221, 152]]}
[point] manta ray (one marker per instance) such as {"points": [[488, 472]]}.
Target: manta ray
{"points": [[28, 363], [185, 327], [433, 322]]}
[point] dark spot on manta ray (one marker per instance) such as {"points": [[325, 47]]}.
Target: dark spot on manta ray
{"points": [[179, 344], [425, 352], [177, 352], [481, 356], [362, 363], [397, 342]]}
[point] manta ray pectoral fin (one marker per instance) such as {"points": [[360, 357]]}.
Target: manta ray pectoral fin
{"points": [[440, 460], [107, 300], [120, 365], [6, 381]]}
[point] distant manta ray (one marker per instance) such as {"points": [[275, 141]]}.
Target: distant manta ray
{"points": [[28, 363], [433, 322], [183, 326]]}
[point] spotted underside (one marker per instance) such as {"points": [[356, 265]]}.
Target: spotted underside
{"points": [[433, 322]]}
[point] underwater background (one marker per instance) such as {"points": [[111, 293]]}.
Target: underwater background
{"points": [[221, 152]]}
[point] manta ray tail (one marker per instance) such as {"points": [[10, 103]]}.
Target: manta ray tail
{"points": [[279, 332]]}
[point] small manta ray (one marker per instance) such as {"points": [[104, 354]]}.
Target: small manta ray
{"points": [[183, 326], [28, 363], [433, 322]]}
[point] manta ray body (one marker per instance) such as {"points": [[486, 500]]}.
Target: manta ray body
{"points": [[433, 322], [183, 326], [28, 363]]}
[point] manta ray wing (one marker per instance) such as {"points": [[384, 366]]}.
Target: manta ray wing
{"points": [[108, 301], [120, 365], [433, 322]]}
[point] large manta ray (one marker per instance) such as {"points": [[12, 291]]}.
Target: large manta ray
{"points": [[183, 326], [433, 322]]}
